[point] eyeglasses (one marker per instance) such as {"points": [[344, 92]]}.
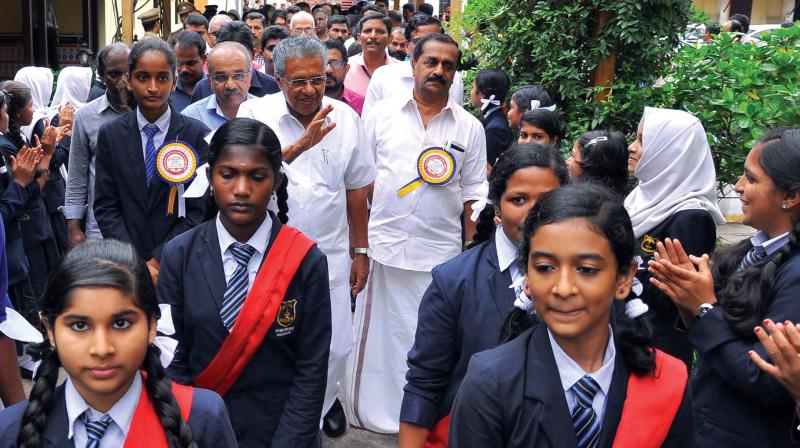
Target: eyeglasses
{"points": [[298, 83], [224, 77], [336, 64], [301, 31]]}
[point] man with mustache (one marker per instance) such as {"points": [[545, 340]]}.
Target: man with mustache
{"points": [[190, 49], [373, 35], [230, 74], [336, 71], [397, 43], [329, 175], [430, 155], [112, 67]]}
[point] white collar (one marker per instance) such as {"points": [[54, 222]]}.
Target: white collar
{"points": [[162, 122], [570, 371], [770, 245], [258, 241], [506, 249], [121, 413]]}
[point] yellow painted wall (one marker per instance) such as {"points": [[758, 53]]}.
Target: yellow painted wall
{"points": [[11, 19], [69, 14]]}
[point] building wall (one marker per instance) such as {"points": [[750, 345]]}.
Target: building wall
{"points": [[763, 11]]}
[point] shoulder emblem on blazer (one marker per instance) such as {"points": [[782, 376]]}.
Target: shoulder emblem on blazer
{"points": [[649, 244], [286, 314]]}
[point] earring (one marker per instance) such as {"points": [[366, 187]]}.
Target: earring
{"points": [[785, 206]]}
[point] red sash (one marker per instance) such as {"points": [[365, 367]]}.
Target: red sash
{"points": [[437, 438], [146, 429], [258, 312], [651, 404]]}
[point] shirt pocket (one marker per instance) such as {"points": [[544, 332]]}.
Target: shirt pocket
{"points": [[328, 169]]}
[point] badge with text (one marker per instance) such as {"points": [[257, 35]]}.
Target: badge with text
{"points": [[435, 166], [649, 244], [176, 163]]}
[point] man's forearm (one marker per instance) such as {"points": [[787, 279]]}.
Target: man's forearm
{"points": [[359, 215]]}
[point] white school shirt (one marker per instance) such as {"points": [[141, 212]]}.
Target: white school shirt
{"points": [[320, 177], [423, 228], [162, 123], [570, 372], [258, 241], [507, 255], [121, 415], [392, 79]]}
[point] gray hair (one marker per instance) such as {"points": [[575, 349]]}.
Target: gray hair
{"points": [[229, 44], [297, 47], [300, 15]]}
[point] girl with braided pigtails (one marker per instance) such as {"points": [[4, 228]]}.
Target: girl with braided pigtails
{"points": [[100, 313], [756, 281]]}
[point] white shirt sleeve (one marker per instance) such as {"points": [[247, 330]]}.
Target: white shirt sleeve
{"points": [[360, 170], [374, 93], [246, 111], [474, 172]]}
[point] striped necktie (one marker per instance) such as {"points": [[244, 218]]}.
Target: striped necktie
{"points": [[753, 256], [95, 430], [236, 291], [584, 419], [150, 151]]}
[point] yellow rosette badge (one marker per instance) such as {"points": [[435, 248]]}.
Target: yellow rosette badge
{"points": [[176, 163], [435, 166]]}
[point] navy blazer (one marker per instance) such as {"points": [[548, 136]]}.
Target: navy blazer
{"points": [[736, 404], [461, 313], [498, 135], [13, 198], [125, 207], [208, 421], [260, 84], [277, 400], [512, 397]]}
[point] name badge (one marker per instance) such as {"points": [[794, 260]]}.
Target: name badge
{"points": [[435, 166], [176, 164]]}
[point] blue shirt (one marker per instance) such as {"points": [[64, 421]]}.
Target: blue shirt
{"points": [[180, 98], [121, 415], [162, 123], [208, 111], [770, 245]]}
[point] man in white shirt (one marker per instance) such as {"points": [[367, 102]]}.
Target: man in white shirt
{"points": [[431, 160], [393, 79], [329, 175]]}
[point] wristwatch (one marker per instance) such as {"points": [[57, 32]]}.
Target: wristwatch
{"points": [[703, 310], [363, 251]]}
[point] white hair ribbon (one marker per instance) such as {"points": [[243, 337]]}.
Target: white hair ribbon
{"points": [[165, 327], [200, 184], [535, 104], [635, 308], [522, 300], [490, 102], [17, 328], [480, 204], [596, 140]]}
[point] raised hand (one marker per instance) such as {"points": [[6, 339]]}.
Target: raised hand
{"points": [[23, 166], [782, 344], [66, 116], [686, 280]]}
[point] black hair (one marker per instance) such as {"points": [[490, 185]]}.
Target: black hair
{"points": [[3, 99], [101, 264], [745, 295], [605, 214], [515, 158], [524, 95], [394, 15], [336, 9], [743, 20], [418, 20], [105, 52], [426, 8], [293, 9], [375, 16], [257, 135], [335, 44], [437, 37], [233, 15], [19, 95], [145, 45], [189, 39], [545, 120], [493, 82], [304, 6], [333, 20], [370, 9], [385, 2], [236, 31], [604, 160], [279, 13], [714, 28], [409, 7], [271, 33], [355, 48], [196, 19], [256, 16], [150, 25], [736, 27]]}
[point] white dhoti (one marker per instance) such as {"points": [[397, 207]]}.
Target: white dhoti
{"points": [[341, 343], [386, 321]]}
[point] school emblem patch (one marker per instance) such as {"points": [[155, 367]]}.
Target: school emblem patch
{"points": [[649, 244], [286, 314]]}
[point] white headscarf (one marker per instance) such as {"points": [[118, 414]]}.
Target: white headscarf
{"points": [[72, 87], [40, 81], [675, 171]]}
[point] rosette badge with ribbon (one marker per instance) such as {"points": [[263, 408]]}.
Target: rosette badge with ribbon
{"points": [[176, 163], [436, 167]]}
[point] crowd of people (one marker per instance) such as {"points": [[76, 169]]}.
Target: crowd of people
{"points": [[267, 229]]}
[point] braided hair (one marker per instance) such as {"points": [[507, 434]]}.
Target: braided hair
{"points": [[105, 264], [605, 214], [745, 295], [256, 135], [517, 157]]}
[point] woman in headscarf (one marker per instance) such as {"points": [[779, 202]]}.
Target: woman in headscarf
{"points": [[40, 81], [675, 198]]}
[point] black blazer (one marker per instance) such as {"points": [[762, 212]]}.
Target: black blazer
{"points": [[498, 135], [512, 397], [277, 400], [260, 84], [125, 207], [13, 198], [461, 314], [208, 421]]}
